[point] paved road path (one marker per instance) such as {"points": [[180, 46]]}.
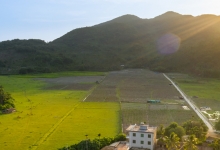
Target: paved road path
{"points": [[194, 107]]}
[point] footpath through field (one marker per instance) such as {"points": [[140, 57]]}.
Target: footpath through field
{"points": [[194, 107], [52, 130]]}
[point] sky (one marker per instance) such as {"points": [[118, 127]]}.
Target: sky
{"points": [[50, 19]]}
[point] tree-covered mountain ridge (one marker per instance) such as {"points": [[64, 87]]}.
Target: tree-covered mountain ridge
{"points": [[170, 42]]}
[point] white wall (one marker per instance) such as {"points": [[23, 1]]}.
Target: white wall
{"points": [[138, 139]]}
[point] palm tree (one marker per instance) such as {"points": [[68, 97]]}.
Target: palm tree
{"points": [[160, 135], [99, 139], [191, 142], [86, 141], [161, 131], [215, 145], [172, 142]]}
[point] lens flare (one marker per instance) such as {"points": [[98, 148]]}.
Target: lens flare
{"points": [[168, 44]]}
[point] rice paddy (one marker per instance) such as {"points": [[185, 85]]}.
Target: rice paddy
{"points": [[50, 119]]}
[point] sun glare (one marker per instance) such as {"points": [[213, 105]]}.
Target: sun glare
{"points": [[191, 28], [168, 44]]}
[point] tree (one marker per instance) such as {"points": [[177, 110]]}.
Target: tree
{"points": [[120, 137], [172, 142], [160, 135], [99, 139], [95, 144], [191, 142], [215, 145], [174, 127], [160, 131], [179, 131], [198, 128], [6, 101], [217, 125]]}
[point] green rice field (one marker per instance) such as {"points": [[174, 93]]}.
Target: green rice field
{"points": [[51, 119]]}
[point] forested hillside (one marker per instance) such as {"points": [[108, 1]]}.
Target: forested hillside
{"points": [[169, 42]]}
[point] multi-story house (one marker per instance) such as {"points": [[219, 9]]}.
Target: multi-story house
{"points": [[142, 136]]}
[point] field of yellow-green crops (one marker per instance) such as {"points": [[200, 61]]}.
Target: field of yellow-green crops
{"points": [[50, 119]]}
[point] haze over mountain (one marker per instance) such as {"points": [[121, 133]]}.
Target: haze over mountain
{"points": [[170, 42]]}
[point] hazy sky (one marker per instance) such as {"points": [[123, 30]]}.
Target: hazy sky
{"points": [[50, 19]]}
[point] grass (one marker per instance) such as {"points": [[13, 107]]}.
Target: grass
{"points": [[206, 89], [50, 119], [87, 120], [62, 74], [204, 92], [201, 87]]}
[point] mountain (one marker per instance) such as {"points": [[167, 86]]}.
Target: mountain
{"points": [[168, 42]]}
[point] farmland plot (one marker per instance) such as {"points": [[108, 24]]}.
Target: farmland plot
{"points": [[154, 114], [133, 85], [133, 88], [133, 113], [51, 113], [50, 118], [71, 83], [204, 92], [143, 85], [106, 90]]}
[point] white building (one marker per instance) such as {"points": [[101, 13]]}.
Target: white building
{"points": [[142, 136]]}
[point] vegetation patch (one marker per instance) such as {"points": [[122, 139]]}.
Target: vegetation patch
{"points": [[133, 88], [6, 102], [86, 119], [62, 74], [49, 119], [95, 144], [134, 85], [154, 114], [204, 92]]}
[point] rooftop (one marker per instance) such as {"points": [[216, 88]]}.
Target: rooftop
{"points": [[141, 128]]}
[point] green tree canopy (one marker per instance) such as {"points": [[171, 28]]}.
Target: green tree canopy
{"points": [[198, 128], [160, 131], [174, 127], [95, 144], [217, 125], [172, 142], [215, 145], [120, 137], [191, 142], [6, 101]]}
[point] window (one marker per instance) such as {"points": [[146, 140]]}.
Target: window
{"points": [[149, 143], [142, 135], [149, 135], [142, 142], [134, 134], [134, 141]]}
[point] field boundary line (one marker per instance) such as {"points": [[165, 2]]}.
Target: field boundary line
{"points": [[51, 130], [90, 92], [27, 123], [118, 95]]}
